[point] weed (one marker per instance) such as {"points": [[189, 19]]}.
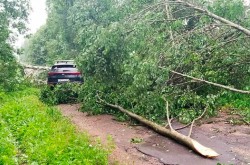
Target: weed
{"points": [[136, 140]]}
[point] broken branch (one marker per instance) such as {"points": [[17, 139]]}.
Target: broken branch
{"points": [[211, 83], [185, 126], [167, 111], [35, 67]]}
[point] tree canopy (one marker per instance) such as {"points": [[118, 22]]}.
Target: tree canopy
{"points": [[127, 50]]}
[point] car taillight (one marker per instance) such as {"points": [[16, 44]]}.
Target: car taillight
{"points": [[65, 73], [76, 73], [51, 73]]}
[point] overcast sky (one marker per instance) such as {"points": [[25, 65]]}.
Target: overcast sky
{"points": [[37, 18], [38, 15]]}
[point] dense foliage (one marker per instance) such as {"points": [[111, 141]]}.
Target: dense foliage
{"points": [[61, 93], [13, 16], [127, 49], [33, 133]]}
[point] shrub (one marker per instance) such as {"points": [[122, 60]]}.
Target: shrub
{"points": [[61, 93]]}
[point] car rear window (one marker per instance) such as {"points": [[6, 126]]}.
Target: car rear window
{"points": [[64, 68]]}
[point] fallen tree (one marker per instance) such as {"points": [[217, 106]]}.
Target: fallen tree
{"points": [[171, 133], [35, 67]]}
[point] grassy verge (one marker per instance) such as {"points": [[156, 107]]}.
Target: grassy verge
{"points": [[8, 150], [41, 135]]}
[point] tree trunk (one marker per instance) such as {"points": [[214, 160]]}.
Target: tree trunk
{"points": [[35, 67], [187, 141]]}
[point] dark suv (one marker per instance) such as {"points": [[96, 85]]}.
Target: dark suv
{"points": [[64, 71]]}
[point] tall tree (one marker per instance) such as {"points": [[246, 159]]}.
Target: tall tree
{"points": [[13, 16]]}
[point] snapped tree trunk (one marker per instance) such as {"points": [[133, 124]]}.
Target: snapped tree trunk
{"points": [[186, 140]]}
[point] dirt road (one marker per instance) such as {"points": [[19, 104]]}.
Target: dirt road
{"points": [[232, 142]]}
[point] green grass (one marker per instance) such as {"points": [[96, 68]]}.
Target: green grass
{"points": [[34, 133], [8, 150], [239, 103]]}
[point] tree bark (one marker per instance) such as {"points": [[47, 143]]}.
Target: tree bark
{"points": [[187, 141]]}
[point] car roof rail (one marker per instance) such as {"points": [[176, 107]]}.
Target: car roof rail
{"points": [[65, 61]]}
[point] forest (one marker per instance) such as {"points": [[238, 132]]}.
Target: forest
{"points": [[159, 59]]}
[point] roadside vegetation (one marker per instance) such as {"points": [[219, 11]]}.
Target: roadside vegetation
{"points": [[61, 93], [236, 104], [34, 133]]}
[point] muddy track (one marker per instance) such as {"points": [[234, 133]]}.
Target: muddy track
{"points": [[232, 142]]}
